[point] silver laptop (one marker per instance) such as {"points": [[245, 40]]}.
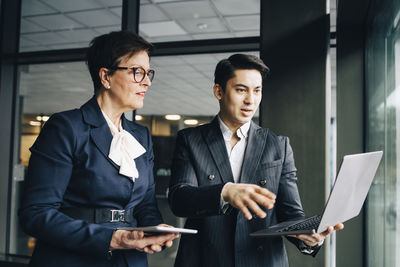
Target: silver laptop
{"points": [[345, 201]]}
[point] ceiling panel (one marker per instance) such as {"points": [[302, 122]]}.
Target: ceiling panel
{"points": [[244, 23], [164, 28], [55, 22], [84, 35], [109, 3], [203, 25], [213, 36], [151, 13], [47, 38], [237, 7], [28, 26], [160, 20], [189, 9], [117, 11], [164, 1], [35, 7], [170, 38], [96, 18], [72, 5]]}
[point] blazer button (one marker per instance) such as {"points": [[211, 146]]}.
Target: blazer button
{"points": [[211, 177], [260, 248], [263, 182]]}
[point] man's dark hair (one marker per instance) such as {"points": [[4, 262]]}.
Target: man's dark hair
{"points": [[106, 51], [225, 68]]}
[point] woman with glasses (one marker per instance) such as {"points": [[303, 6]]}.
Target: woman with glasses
{"points": [[91, 169]]}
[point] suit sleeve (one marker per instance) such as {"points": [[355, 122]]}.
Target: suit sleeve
{"points": [[49, 172], [288, 202], [147, 212], [186, 197], [288, 199]]}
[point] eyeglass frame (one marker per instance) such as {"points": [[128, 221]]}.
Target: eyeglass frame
{"points": [[134, 72]]}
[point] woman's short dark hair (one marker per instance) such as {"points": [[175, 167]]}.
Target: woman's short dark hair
{"points": [[107, 50], [225, 68]]}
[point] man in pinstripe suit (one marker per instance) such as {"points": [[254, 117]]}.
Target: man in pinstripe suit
{"points": [[231, 177]]}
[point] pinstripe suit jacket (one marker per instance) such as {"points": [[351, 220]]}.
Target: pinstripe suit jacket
{"points": [[199, 171]]}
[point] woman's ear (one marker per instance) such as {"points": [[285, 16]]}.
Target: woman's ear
{"points": [[218, 92], [104, 78]]}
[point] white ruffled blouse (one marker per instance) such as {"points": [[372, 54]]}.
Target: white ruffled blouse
{"points": [[124, 149]]}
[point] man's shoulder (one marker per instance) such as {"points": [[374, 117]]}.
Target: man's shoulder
{"points": [[195, 130], [271, 135]]}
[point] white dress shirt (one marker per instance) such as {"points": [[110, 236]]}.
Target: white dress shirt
{"points": [[236, 153]]}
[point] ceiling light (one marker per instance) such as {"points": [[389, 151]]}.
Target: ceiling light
{"points": [[138, 117], [173, 117], [202, 26], [42, 118], [35, 123], [191, 122]]}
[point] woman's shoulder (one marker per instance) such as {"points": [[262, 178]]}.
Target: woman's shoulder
{"points": [[73, 116]]}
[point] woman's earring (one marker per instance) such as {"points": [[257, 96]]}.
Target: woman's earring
{"points": [[109, 87]]}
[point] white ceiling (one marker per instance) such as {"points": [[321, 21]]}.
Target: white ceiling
{"points": [[60, 24], [182, 85]]}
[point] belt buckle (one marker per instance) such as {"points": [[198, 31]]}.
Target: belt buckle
{"points": [[117, 216]]}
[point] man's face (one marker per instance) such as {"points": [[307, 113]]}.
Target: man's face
{"points": [[241, 97]]}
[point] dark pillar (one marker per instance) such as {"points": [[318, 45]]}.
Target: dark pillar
{"points": [[9, 31], [296, 96], [350, 114]]}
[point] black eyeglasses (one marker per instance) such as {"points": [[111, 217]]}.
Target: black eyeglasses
{"points": [[138, 73]]}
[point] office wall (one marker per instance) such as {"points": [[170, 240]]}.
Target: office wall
{"points": [[296, 96]]}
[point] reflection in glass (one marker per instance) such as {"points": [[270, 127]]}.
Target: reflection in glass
{"points": [[383, 133], [183, 86]]}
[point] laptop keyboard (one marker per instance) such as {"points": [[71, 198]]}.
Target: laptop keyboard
{"points": [[308, 224]]}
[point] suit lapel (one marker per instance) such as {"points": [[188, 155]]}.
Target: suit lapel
{"points": [[217, 147], [100, 132], [254, 149], [131, 128]]}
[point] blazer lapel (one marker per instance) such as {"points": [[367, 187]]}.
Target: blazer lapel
{"points": [[130, 127], [216, 145], [255, 146], [100, 132]]}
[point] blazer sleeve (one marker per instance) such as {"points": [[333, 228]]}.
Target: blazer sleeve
{"points": [[288, 199], [49, 172], [186, 197], [147, 212], [288, 202]]}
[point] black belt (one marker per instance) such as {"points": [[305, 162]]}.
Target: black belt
{"points": [[99, 215]]}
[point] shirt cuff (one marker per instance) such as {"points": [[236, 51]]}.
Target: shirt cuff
{"points": [[304, 248], [224, 204]]}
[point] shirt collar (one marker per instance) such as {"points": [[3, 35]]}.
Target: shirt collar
{"points": [[242, 132]]}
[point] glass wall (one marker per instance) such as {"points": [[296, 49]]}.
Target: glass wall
{"points": [[181, 96], [383, 133]]}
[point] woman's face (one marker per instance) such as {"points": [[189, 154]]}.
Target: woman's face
{"points": [[125, 93]]}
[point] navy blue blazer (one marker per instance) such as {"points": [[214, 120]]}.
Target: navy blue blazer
{"points": [[70, 168], [200, 169]]}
